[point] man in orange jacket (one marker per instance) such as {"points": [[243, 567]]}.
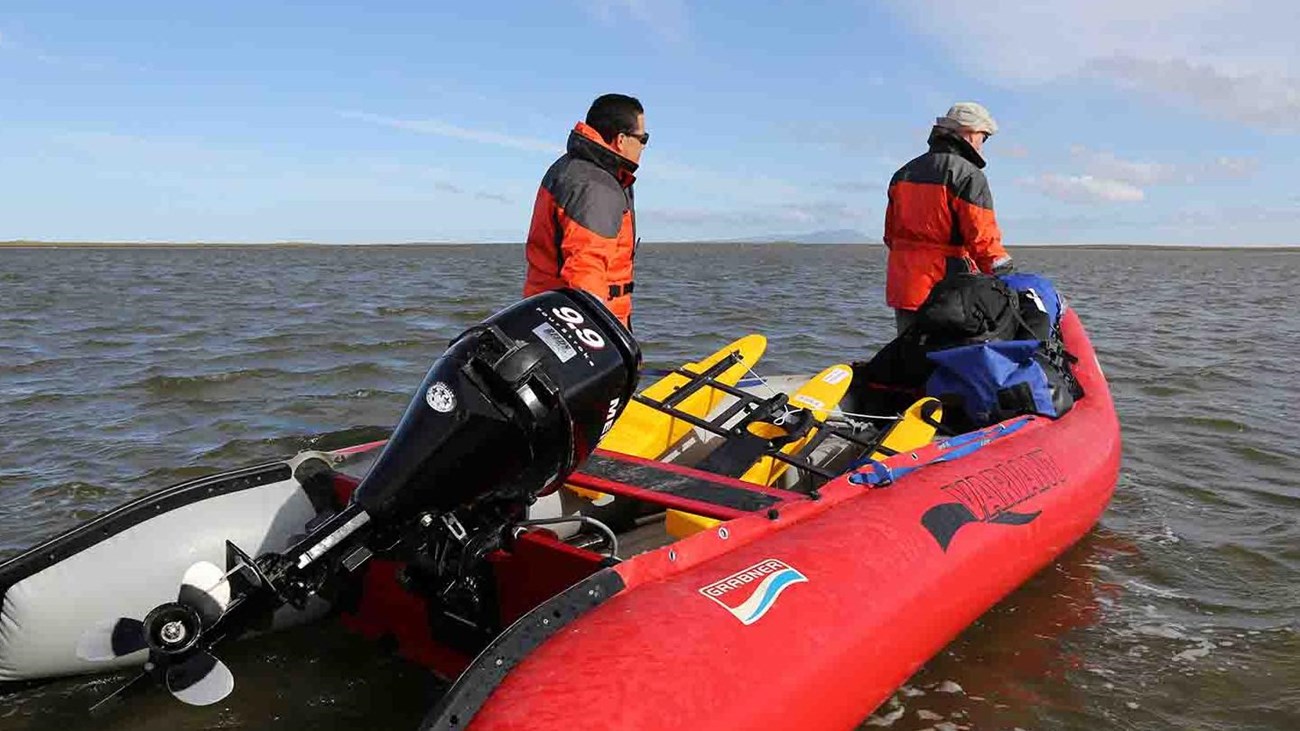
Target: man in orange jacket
{"points": [[583, 232], [940, 215]]}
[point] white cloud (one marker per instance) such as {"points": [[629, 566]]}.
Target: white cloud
{"points": [[1103, 164], [442, 129], [1084, 188], [1230, 59], [1108, 165], [1018, 152], [446, 187], [497, 197], [1264, 100]]}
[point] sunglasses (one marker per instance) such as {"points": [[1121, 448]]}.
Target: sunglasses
{"points": [[643, 138]]}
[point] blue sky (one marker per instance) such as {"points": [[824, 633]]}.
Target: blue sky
{"points": [[1162, 121]]}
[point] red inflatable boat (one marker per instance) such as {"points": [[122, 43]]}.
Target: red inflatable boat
{"points": [[795, 613]]}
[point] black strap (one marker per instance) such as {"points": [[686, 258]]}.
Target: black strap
{"points": [[1020, 319], [618, 291], [956, 265]]}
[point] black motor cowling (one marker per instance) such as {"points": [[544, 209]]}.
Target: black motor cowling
{"points": [[512, 407]]}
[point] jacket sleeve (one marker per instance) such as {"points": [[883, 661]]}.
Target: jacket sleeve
{"points": [[973, 215]]}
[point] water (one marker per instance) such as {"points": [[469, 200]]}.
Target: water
{"points": [[122, 371]]}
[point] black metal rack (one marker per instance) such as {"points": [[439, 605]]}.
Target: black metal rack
{"points": [[754, 409]]}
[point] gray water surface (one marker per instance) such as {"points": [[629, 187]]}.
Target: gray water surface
{"points": [[123, 371]]}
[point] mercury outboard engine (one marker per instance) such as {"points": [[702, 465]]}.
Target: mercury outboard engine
{"points": [[508, 412], [512, 408]]}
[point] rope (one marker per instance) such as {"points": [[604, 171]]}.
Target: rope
{"points": [[883, 417], [833, 412], [761, 380], [786, 415]]}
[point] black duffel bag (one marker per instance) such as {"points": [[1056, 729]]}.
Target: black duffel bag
{"points": [[964, 308]]}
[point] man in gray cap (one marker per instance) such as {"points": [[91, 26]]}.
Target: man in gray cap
{"points": [[940, 215]]}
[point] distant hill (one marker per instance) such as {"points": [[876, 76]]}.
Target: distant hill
{"points": [[827, 236]]}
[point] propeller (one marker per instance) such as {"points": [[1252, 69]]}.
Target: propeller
{"points": [[171, 633], [205, 588], [200, 680]]}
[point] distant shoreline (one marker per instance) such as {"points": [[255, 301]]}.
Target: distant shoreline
{"points": [[22, 244]]}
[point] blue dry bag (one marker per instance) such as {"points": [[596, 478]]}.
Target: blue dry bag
{"points": [[993, 381]]}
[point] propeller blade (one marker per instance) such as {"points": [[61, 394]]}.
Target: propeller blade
{"points": [[111, 639], [201, 680], [121, 690], [205, 589]]}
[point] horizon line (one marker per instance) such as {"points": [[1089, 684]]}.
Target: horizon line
{"points": [[50, 244]]}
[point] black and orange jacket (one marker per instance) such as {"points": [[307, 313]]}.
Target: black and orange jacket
{"points": [[583, 232], [940, 207]]}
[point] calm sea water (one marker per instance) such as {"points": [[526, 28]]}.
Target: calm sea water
{"points": [[123, 371]]}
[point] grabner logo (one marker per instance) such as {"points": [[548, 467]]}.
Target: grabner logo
{"points": [[750, 593], [440, 398]]}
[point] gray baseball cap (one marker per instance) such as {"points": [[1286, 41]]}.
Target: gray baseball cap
{"points": [[967, 115]]}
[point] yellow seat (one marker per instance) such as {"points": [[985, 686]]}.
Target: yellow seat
{"points": [[820, 395], [912, 430]]}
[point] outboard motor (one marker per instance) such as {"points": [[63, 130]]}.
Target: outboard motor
{"points": [[505, 415], [513, 407], [509, 411]]}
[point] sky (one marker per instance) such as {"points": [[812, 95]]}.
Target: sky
{"points": [[1159, 121]]}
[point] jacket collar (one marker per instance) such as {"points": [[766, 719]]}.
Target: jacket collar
{"points": [[942, 140], [586, 143]]}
